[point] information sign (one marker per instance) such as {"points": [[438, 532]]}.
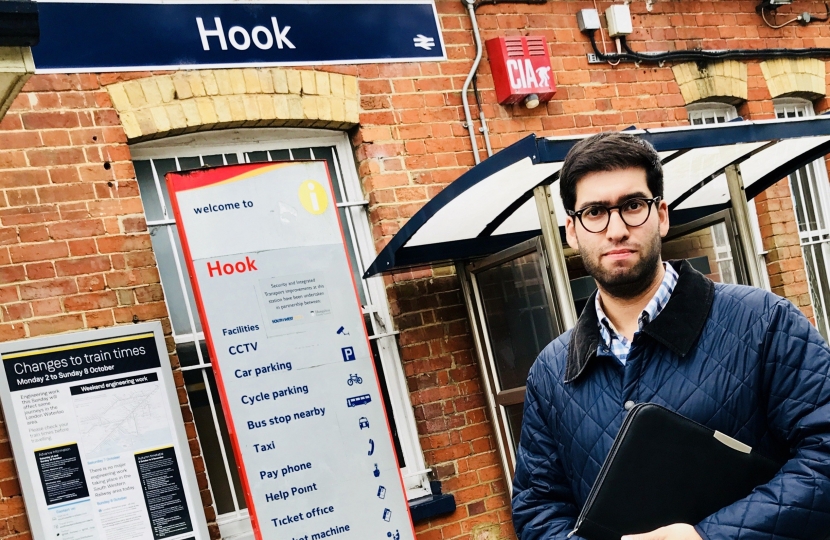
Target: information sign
{"points": [[98, 437], [126, 36], [290, 352]]}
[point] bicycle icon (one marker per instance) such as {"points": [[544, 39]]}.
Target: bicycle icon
{"points": [[354, 378]]}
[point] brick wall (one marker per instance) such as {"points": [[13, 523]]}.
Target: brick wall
{"points": [[697, 244], [74, 250], [411, 143]]}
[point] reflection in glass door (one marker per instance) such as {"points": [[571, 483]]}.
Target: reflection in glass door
{"points": [[711, 246], [515, 320]]}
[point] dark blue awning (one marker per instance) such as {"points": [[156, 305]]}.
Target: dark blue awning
{"points": [[491, 206]]}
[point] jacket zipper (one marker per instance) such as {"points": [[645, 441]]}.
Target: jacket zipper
{"points": [[604, 471]]}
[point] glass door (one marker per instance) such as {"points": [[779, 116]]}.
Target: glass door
{"points": [[513, 313], [711, 245], [510, 296]]}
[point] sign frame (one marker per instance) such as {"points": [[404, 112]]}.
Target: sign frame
{"points": [[30, 479], [190, 64], [173, 190]]}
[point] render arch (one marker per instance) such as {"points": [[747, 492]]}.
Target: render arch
{"points": [[172, 104]]}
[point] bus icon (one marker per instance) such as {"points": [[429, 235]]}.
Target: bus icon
{"points": [[358, 400]]}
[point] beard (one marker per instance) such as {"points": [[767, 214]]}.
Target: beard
{"points": [[626, 283]]}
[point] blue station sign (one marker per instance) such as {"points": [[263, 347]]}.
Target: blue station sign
{"points": [[109, 36]]}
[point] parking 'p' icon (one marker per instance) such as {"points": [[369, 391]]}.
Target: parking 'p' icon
{"points": [[348, 354]]}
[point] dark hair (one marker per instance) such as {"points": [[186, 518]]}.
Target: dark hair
{"points": [[609, 151]]}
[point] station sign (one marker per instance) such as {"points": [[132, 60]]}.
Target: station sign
{"points": [[280, 311], [98, 437], [139, 36]]}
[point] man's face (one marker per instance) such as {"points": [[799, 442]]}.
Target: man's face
{"points": [[624, 260]]}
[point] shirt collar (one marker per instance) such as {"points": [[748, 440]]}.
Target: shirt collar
{"points": [[651, 311], [678, 327]]}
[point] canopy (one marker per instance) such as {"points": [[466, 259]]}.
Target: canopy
{"points": [[491, 207]]}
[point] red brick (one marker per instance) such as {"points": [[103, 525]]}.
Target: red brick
{"points": [[98, 319], [42, 270], [83, 265], [9, 332], [19, 139], [76, 229], [9, 294], [38, 252], [134, 224], [91, 301], [91, 283], [48, 289], [112, 244], [63, 193], [49, 306], [12, 274], [16, 312], [140, 312], [50, 120], [80, 248], [55, 325], [140, 276]]}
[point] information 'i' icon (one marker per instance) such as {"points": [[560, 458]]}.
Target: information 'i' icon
{"points": [[315, 204], [313, 197]]}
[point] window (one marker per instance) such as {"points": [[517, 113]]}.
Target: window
{"points": [[718, 113], [710, 113], [152, 160], [811, 203], [723, 254]]}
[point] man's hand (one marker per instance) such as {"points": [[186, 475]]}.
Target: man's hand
{"points": [[678, 531]]}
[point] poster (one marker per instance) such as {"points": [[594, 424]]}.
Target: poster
{"points": [[292, 360], [98, 437]]}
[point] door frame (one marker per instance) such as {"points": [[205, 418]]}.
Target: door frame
{"points": [[497, 398], [738, 249]]}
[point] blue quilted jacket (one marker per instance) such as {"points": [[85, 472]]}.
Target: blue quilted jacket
{"points": [[736, 359]]}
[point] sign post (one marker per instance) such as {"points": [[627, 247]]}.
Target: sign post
{"points": [[98, 436], [289, 348]]}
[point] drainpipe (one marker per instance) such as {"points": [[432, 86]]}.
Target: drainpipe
{"points": [[483, 129], [468, 119]]}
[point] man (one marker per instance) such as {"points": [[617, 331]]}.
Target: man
{"points": [[734, 358]]}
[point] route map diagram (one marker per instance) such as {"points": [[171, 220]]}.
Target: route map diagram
{"points": [[116, 421]]}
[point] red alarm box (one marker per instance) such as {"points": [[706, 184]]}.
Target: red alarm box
{"points": [[521, 67]]}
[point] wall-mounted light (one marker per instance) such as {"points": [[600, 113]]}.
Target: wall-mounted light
{"points": [[532, 101]]}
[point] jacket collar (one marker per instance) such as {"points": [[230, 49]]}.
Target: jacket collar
{"points": [[677, 327]]}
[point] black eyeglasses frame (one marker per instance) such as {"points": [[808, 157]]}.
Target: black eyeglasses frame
{"points": [[578, 213]]}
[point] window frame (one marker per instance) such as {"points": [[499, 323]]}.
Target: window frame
{"points": [[497, 397], [710, 109], [730, 112], [810, 238], [354, 205]]}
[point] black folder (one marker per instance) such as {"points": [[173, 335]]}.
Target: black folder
{"points": [[664, 468]]}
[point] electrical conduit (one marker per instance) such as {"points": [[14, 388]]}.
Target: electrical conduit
{"points": [[466, 88]]}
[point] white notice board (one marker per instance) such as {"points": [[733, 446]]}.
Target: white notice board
{"points": [[98, 437], [284, 326]]}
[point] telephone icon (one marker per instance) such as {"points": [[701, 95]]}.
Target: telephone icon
{"points": [[371, 446]]}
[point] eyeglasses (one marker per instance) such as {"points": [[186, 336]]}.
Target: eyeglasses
{"points": [[633, 212]]}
